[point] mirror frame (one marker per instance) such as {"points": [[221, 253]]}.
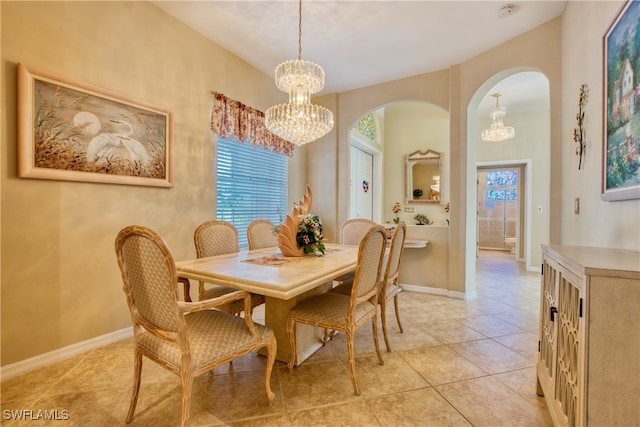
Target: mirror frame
{"points": [[418, 157]]}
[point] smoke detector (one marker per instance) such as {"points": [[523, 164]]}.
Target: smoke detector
{"points": [[507, 10]]}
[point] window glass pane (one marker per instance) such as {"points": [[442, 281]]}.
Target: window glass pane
{"points": [[495, 194], [252, 184], [501, 184], [367, 127], [505, 177]]}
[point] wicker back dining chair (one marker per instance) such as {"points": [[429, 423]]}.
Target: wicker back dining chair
{"points": [[347, 313], [219, 238], [261, 234], [354, 229], [185, 338], [390, 287], [351, 233]]}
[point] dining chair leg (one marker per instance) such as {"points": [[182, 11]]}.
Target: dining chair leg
{"points": [[272, 348], [329, 334], [352, 360], [186, 378], [292, 343], [383, 318], [395, 303], [187, 288], [137, 371], [375, 339]]}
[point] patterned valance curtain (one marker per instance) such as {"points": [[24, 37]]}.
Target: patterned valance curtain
{"points": [[230, 118]]}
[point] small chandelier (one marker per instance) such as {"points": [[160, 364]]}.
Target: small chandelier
{"points": [[498, 131], [299, 121]]}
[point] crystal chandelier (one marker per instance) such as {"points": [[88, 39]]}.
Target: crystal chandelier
{"points": [[299, 121], [498, 131]]}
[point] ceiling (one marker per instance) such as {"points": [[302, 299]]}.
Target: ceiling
{"points": [[362, 43]]}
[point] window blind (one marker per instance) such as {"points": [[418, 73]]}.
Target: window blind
{"points": [[252, 184]]}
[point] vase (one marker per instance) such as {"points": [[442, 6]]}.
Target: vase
{"points": [[287, 242]]}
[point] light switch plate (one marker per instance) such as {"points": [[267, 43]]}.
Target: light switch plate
{"points": [[576, 207]]}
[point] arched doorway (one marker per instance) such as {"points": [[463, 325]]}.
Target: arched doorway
{"points": [[404, 127], [526, 96]]}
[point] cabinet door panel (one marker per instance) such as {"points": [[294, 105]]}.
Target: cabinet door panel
{"points": [[567, 384], [548, 326]]}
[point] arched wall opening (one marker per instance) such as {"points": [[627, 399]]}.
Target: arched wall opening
{"points": [[405, 127], [530, 148]]}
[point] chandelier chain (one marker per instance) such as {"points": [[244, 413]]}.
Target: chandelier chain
{"points": [[299, 30]]}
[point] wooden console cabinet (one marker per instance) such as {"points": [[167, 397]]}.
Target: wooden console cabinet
{"points": [[588, 365]]}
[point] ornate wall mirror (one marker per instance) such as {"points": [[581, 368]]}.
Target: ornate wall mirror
{"points": [[423, 177]]}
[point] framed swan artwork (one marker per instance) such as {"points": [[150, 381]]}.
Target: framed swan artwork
{"points": [[77, 132]]}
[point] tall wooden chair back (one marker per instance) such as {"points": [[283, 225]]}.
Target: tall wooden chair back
{"points": [[347, 313], [214, 238], [261, 234], [390, 287], [353, 230], [185, 338]]}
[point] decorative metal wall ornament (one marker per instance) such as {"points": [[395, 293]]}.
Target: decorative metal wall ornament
{"points": [[579, 134]]}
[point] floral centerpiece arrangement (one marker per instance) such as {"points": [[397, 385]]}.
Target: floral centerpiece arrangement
{"points": [[396, 210], [301, 232], [309, 236]]}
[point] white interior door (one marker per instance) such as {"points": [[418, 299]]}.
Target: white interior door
{"points": [[362, 185]]}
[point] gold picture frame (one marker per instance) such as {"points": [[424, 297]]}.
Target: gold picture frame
{"points": [[73, 131]]}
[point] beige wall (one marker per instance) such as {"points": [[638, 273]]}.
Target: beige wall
{"points": [[600, 223], [60, 282], [427, 269], [322, 173]]}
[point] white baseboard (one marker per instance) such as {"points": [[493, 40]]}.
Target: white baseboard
{"points": [[438, 291], [33, 363]]}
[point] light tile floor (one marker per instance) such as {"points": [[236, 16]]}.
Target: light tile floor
{"points": [[458, 363]]}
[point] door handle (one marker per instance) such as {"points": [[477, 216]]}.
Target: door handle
{"points": [[553, 311]]}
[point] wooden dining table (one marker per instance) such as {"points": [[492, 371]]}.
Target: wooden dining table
{"points": [[282, 280]]}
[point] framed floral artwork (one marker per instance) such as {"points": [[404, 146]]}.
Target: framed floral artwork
{"points": [[77, 132], [621, 122]]}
